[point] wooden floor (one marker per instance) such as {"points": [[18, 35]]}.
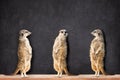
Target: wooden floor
{"points": [[64, 77]]}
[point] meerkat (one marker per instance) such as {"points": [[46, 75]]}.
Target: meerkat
{"points": [[97, 52], [60, 53], [24, 53]]}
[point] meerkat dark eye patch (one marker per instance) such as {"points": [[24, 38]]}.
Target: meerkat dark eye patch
{"points": [[61, 31], [21, 34], [99, 34]]}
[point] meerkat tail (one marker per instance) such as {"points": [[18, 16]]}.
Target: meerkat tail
{"points": [[16, 71], [66, 71], [103, 72]]}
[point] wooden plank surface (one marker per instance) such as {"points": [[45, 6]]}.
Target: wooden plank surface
{"points": [[64, 77]]}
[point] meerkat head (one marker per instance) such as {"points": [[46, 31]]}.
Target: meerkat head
{"points": [[97, 33], [24, 32], [63, 32]]}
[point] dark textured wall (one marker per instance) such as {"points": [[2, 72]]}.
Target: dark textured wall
{"points": [[44, 18]]}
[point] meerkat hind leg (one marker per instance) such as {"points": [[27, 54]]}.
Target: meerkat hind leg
{"points": [[97, 70], [25, 75], [22, 75], [58, 74], [98, 74], [95, 73]]}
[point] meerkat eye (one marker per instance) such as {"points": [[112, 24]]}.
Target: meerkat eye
{"points": [[21, 34], [61, 31]]}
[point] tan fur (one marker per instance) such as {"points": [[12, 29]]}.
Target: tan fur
{"points": [[97, 52], [60, 53], [24, 53]]}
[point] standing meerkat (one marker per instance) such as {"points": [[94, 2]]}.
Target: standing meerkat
{"points": [[97, 52], [60, 53], [24, 53]]}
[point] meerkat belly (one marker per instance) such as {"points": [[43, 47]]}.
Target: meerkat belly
{"points": [[96, 47], [62, 52], [60, 55], [23, 52]]}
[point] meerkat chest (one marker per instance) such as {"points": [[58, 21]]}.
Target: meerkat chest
{"points": [[63, 44], [60, 43], [96, 43], [24, 44], [27, 43]]}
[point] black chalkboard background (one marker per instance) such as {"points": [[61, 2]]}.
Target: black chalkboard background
{"points": [[44, 18]]}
